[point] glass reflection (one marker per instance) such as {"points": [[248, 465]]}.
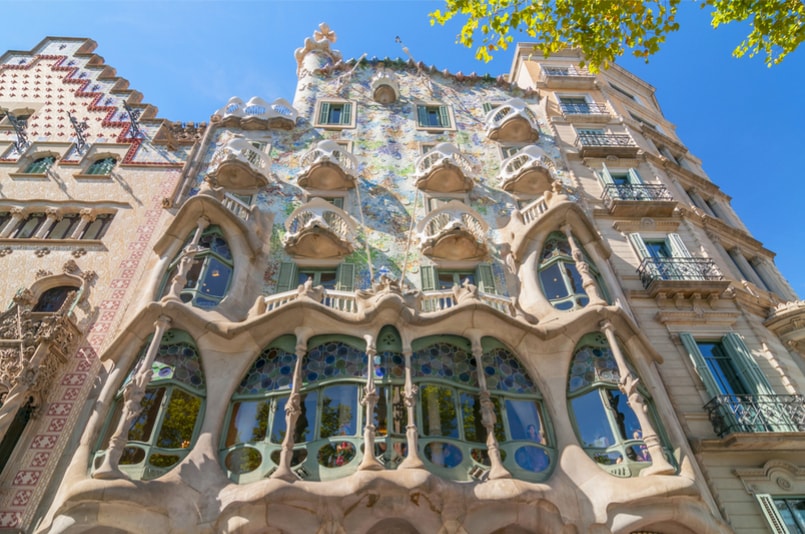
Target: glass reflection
{"points": [[439, 411]]}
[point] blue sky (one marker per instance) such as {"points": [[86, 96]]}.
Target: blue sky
{"points": [[742, 119]]}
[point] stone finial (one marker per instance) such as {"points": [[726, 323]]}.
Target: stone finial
{"points": [[320, 43]]}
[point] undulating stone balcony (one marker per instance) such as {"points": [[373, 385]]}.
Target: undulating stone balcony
{"points": [[453, 232], [512, 121], [444, 169], [601, 145], [787, 320], [328, 166], [567, 77], [385, 88], [588, 111], [731, 414], [638, 200], [319, 230], [240, 166], [257, 114], [527, 172], [682, 276]]}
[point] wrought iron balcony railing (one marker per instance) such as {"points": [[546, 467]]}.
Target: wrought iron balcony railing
{"points": [[566, 71], [756, 413], [636, 192], [605, 140], [682, 269], [587, 108]]}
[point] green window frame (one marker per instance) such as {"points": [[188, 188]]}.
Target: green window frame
{"points": [[433, 278], [102, 166], [291, 276], [167, 428], [784, 515], [40, 165], [97, 228], [30, 225], [64, 227], [433, 116], [335, 114]]}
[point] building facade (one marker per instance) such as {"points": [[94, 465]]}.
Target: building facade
{"points": [[407, 301]]}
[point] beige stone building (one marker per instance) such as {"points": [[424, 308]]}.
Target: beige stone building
{"points": [[481, 305]]}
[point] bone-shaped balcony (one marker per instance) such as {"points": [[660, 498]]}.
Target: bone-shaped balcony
{"points": [[453, 232], [319, 230], [444, 169], [527, 172], [240, 165], [257, 114], [328, 166], [512, 121]]}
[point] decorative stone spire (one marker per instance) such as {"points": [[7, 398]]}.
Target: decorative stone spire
{"points": [[316, 52]]}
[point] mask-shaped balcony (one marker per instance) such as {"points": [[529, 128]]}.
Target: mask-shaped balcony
{"points": [[444, 169], [319, 230], [385, 89], [512, 121], [527, 172], [328, 167], [257, 114], [239, 165], [453, 232]]}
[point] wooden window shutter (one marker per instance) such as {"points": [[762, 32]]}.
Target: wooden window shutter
{"points": [[485, 278], [345, 277], [428, 274], [701, 366], [287, 277]]}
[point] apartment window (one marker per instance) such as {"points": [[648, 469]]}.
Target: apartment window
{"points": [[336, 114], [433, 116], [605, 423], [53, 299], [172, 410], [624, 92], [670, 246], [574, 104], [619, 177], [291, 276], [644, 122], [783, 512], [434, 278], [29, 226], [559, 277], [40, 165], [64, 227], [102, 167], [97, 228], [14, 431]]}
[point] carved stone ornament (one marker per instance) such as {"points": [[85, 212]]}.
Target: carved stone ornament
{"points": [[41, 273]]}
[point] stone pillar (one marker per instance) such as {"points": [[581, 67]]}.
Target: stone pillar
{"points": [[746, 269], [699, 202], [370, 401], [87, 216], [13, 222], [412, 459], [201, 224], [133, 394], [590, 286], [488, 417], [292, 409], [628, 385], [768, 273], [726, 258], [50, 219], [607, 273]]}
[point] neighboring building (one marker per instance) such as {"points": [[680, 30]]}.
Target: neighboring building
{"points": [[524, 299]]}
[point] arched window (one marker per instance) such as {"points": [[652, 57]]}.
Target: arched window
{"points": [[328, 432], [52, 299], [560, 279], [211, 272], [14, 431], [605, 423], [40, 165], [172, 410], [102, 167]]}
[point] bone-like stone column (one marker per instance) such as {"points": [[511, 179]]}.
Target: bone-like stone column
{"points": [[587, 280], [412, 459], [370, 401]]}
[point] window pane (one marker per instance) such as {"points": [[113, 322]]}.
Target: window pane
{"points": [[142, 426], [524, 421], [248, 423], [625, 420], [439, 411], [52, 299], [30, 226], [471, 416], [591, 421], [339, 411], [278, 426], [722, 368], [180, 420], [553, 283], [303, 431], [216, 279], [63, 229]]}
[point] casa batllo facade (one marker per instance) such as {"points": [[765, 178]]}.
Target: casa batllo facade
{"points": [[409, 300]]}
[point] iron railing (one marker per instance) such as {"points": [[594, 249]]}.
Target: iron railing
{"points": [[605, 140], [636, 192], [566, 71], [586, 108], [653, 269], [756, 413]]}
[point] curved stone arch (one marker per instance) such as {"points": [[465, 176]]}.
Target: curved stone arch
{"points": [[682, 515], [65, 279], [110, 517], [542, 517], [392, 525]]}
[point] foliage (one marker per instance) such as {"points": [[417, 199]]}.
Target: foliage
{"points": [[603, 29]]}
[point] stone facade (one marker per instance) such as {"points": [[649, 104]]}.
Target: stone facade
{"points": [[510, 304]]}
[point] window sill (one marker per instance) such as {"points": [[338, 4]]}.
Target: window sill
{"points": [[40, 176], [334, 126], [82, 176], [54, 242]]}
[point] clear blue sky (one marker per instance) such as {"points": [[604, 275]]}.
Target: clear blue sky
{"points": [[744, 120]]}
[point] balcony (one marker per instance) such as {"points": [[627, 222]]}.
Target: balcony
{"points": [[238, 165], [638, 200], [453, 232], [682, 276], [732, 414], [569, 77], [328, 167], [385, 89], [601, 145], [319, 230], [527, 172], [787, 320], [257, 114], [444, 169], [587, 111], [512, 121]]}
